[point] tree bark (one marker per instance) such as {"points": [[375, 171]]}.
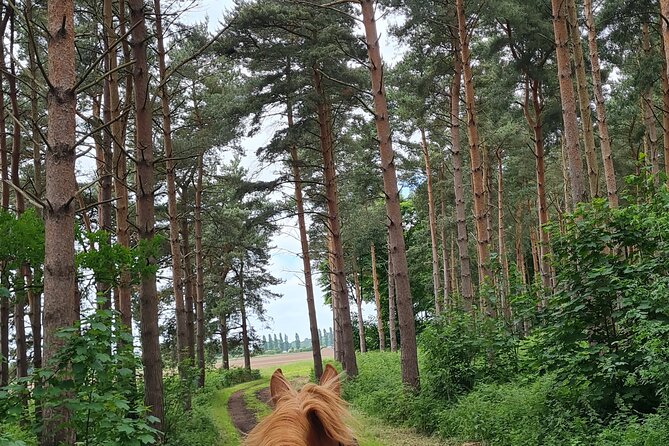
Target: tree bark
{"points": [[583, 100], [199, 271], [4, 161], [477, 167], [579, 193], [503, 259], [433, 224], [327, 148], [242, 311], [120, 173], [306, 265], [358, 301], [602, 124], [391, 304], [190, 288], [397, 245], [534, 119], [650, 134], [458, 185], [60, 309], [145, 185], [377, 300], [175, 248]]}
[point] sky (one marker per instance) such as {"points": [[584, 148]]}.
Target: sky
{"points": [[289, 313]]}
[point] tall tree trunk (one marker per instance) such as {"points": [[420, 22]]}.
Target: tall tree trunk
{"points": [[391, 304], [34, 112], [190, 288], [334, 295], [358, 301], [148, 296], [458, 185], [327, 149], [433, 224], [19, 305], [520, 255], [477, 167], [199, 271], [242, 311], [577, 182], [120, 172], [503, 259], [650, 134], [225, 357], [304, 245], [583, 100], [405, 313], [377, 300], [535, 121], [4, 161], [60, 286], [448, 286], [175, 248], [602, 125]]}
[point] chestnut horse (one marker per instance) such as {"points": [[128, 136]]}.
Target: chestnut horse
{"points": [[314, 416]]}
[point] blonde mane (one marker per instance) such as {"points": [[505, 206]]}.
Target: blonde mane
{"points": [[314, 416]]}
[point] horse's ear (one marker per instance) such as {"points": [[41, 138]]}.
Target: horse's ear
{"points": [[278, 385], [330, 378]]}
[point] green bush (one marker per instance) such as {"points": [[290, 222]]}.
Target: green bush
{"points": [[608, 323], [236, 375], [461, 351], [194, 428], [13, 435]]}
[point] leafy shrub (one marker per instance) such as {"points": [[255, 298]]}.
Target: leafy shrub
{"points": [[94, 382], [237, 375], [461, 351], [194, 428], [12, 435], [608, 323]]}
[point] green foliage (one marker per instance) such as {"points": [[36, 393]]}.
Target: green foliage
{"points": [[608, 323], [237, 375], [93, 376], [192, 428], [461, 351], [13, 435]]}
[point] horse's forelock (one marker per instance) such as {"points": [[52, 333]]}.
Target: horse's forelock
{"points": [[315, 411]]}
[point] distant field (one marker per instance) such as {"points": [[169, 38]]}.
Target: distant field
{"points": [[263, 361]]}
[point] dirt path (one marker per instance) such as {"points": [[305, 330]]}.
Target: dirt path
{"points": [[243, 419]]}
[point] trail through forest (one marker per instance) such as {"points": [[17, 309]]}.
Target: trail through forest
{"points": [[237, 410]]}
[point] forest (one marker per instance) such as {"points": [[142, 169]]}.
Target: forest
{"points": [[480, 189]]}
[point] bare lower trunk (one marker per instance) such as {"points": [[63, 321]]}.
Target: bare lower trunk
{"points": [[225, 357], [242, 311], [148, 295], [503, 259], [602, 125], [577, 182], [190, 290], [405, 312], [583, 100], [467, 290], [199, 272], [391, 305], [377, 300], [433, 224], [361, 324], [60, 309]]}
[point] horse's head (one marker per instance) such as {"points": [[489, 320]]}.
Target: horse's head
{"points": [[314, 416]]}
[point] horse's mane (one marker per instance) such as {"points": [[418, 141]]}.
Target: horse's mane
{"points": [[315, 412]]}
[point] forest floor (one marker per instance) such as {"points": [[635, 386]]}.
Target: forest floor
{"points": [[236, 411]]}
